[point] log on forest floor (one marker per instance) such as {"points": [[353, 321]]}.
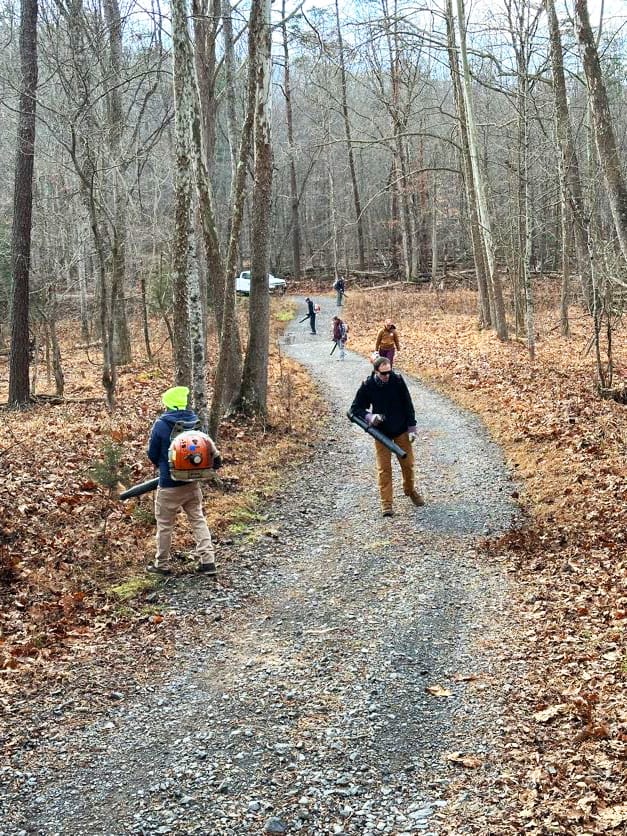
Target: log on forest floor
{"points": [[617, 393]]}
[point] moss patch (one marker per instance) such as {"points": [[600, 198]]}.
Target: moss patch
{"points": [[132, 587]]}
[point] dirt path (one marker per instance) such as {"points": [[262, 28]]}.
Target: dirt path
{"points": [[304, 708]]}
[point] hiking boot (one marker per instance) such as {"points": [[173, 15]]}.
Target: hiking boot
{"points": [[208, 568], [387, 512], [158, 570], [417, 498]]}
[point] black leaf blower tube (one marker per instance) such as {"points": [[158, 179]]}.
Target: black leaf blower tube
{"points": [[375, 433], [138, 490]]}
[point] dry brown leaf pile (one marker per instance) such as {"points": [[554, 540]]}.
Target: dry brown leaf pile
{"points": [[560, 762], [65, 542]]}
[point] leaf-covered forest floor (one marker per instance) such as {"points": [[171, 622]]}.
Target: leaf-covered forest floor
{"points": [[72, 556], [563, 747]]}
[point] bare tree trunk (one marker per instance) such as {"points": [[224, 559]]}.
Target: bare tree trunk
{"points": [[565, 293], [476, 237], [146, 330], [19, 386], [569, 165], [80, 236], [335, 235], [605, 140], [121, 335], [227, 386], [349, 145], [206, 16], [88, 165], [183, 227], [189, 145], [55, 350], [199, 383], [399, 181], [287, 92], [395, 219], [205, 35], [255, 376], [482, 203], [434, 231], [229, 73], [525, 227], [522, 27], [232, 366]]}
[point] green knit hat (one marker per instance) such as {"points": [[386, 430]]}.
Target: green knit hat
{"points": [[175, 398]]}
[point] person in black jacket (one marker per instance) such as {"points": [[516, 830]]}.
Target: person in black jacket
{"points": [[311, 314], [383, 400]]}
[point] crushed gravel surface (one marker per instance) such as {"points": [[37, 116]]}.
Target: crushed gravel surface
{"points": [[301, 704]]}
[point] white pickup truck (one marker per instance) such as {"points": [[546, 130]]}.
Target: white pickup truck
{"points": [[242, 284]]}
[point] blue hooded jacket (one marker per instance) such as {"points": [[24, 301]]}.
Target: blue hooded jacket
{"points": [[160, 442]]}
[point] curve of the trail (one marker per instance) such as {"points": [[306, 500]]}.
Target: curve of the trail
{"points": [[345, 660]]}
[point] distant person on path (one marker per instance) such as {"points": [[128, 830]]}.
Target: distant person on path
{"points": [[174, 496], [383, 400], [339, 286], [340, 336], [387, 341], [311, 314]]}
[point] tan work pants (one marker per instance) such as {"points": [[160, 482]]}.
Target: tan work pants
{"points": [[168, 503], [384, 469]]}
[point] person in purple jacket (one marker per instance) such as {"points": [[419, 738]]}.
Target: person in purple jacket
{"points": [[173, 496]]}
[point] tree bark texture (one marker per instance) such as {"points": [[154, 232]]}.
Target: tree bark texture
{"points": [[482, 202], [570, 179], [121, 334], [19, 386], [476, 238], [183, 227], [604, 137], [349, 145], [227, 385], [255, 376], [287, 92]]}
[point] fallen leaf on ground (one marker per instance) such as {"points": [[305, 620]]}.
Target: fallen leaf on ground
{"points": [[469, 761], [549, 713], [438, 691], [613, 816]]}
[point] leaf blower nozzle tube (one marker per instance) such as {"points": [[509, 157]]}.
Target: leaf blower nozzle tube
{"points": [[138, 490], [375, 433]]}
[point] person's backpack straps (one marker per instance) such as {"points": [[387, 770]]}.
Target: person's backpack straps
{"points": [[184, 426]]}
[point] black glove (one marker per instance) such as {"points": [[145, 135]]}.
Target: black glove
{"points": [[217, 462]]}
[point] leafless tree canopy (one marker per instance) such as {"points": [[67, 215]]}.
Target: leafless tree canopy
{"points": [[486, 140]]}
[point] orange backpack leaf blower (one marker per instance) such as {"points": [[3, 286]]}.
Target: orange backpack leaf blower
{"points": [[191, 456]]}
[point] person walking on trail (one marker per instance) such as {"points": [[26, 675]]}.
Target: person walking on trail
{"points": [[383, 400], [387, 341], [339, 286], [340, 337], [311, 314], [174, 496]]}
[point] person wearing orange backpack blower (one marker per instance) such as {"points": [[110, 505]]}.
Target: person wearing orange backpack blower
{"points": [[172, 495]]}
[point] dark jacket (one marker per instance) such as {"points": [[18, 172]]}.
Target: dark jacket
{"points": [[160, 442], [391, 399], [310, 308]]}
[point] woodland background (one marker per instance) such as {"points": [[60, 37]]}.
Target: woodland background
{"points": [[464, 169]]}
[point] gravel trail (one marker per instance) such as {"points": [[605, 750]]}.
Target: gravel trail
{"points": [[303, 708]]}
